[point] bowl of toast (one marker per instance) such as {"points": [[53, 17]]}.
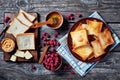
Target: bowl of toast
{"points": [[89, 39]]}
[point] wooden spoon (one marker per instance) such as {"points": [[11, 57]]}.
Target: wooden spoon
{"points": [[43, 54], [39, 24]]}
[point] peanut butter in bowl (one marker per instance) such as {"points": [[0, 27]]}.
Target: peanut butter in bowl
{"points": [[7, 45]]}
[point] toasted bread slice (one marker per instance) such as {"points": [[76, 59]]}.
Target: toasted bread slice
{"points": [[84, 52], [105, 38], [79, 38], [27, 15], [94, 27], [24, 20], [91, 56], [98, 50], [26, 41], [17, 27], [80, 27]]}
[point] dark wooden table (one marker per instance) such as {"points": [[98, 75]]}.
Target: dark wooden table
{"points": [[107, 69]]}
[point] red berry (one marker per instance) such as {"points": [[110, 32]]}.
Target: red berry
{"points": [[78, 15], [52, 55], [48, 55], [52, 68], [32, 66], [57, 44], [6, 19], [72, 72], [51, 42], [56, 33], [52, 50], [71, 14], [41, 37], [47, 35], [68, 17], [69, 67], [44, 33], [71, 18], [56, 55]]}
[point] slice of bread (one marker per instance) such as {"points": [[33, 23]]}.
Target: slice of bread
{"points": [[24, 20], [98, 50], [94, 27], [84, 52], [17, 27], [27, 15], [79, 38], [19, 54], [13, 58], [105, 38], [28, 55], [26, 41]]}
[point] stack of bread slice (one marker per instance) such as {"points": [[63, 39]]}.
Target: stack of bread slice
{"points": [[83, 46], [25, 41]]}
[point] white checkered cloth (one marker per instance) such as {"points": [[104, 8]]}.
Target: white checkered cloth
{"points": [[80, 67]]}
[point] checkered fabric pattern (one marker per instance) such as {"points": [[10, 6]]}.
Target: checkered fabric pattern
{"points": [[80, 67]]}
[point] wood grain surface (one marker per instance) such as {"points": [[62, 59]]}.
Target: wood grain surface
{"points": [[107, 69]]}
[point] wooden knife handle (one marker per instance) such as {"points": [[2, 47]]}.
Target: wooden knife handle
{"points": [[43, 54]]}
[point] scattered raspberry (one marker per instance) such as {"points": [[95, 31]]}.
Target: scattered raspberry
{"points": [[41, 37], [70, 14], [33, 67], [72, 72], [52, 49], [71, 17], [6, 19], [44, 33], [78, 15]]}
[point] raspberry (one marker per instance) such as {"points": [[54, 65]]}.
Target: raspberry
{"points": [[55, 35], [68, 17], [57, 44], [78, 15], [71, 18], [70, 14], [41, 37], [33, 67], [47, 35], [44, 33], [52, 50], [6, 19], [72, 72], [51, 42]]}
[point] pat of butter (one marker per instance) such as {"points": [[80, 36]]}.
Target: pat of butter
{"points": [[20, 54], [13, 58], [28, 55]]}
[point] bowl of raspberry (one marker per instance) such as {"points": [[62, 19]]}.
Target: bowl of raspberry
{"points": [[52, 61]]}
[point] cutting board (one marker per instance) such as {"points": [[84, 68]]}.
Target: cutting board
{"points": [[33, 52]]}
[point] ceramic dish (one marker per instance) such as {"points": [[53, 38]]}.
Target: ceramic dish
{"points": [[69, 40]]}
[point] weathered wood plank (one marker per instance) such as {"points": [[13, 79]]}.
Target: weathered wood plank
{"points": [[109, 9]]}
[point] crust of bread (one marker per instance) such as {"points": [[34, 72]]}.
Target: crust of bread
{"points": [[79, 38], [24, 20], [84, 52], [27, 15], [94, 27], [25, 34], [98, 50], [105, 38]]}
